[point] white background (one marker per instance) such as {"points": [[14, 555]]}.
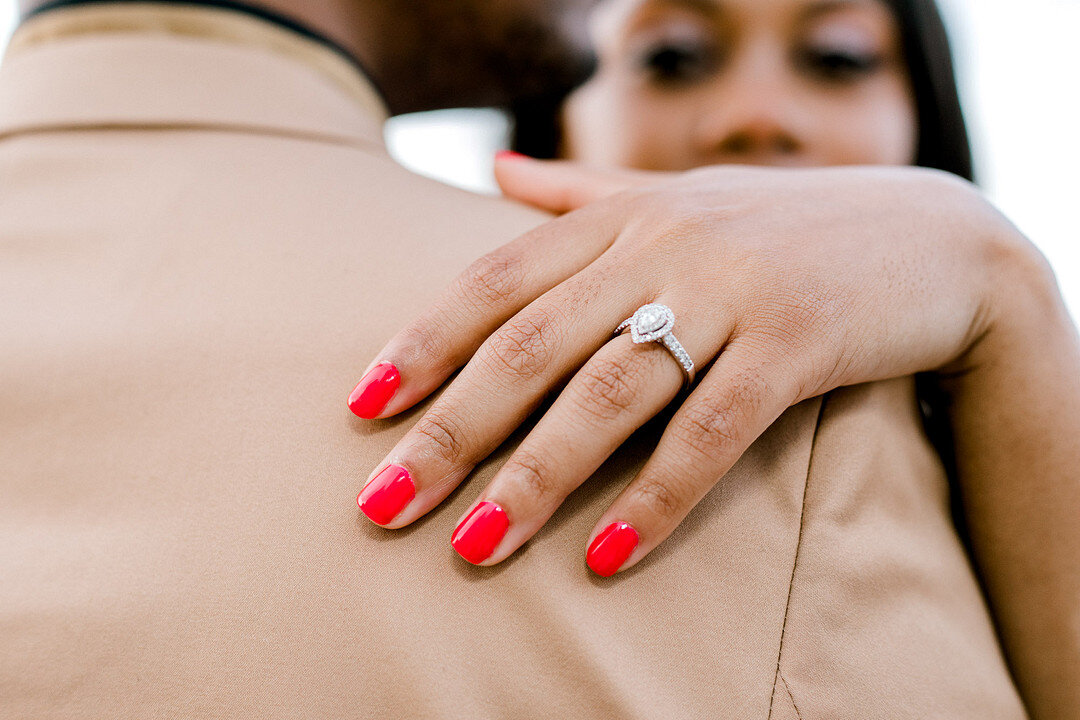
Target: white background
{"points": [[1018, 64]]}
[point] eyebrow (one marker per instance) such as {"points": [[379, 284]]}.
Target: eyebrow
{"points": [[822, 7], [708, 7], [827, 6]]}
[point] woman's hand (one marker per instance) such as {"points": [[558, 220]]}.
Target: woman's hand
{"points": [[784, 284]]}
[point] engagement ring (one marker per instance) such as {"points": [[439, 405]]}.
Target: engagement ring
{"points": [[652, 323]]}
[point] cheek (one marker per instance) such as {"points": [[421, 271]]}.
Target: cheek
{"points": [[612, 125], [899, 132], [588, 124], [878, 128]]}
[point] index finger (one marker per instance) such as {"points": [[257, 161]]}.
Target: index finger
{"points": [[491, 290]]}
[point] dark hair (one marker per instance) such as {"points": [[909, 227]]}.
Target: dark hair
{"points": [[943, 139]]}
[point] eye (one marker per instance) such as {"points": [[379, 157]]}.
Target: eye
{"points": [[677, 63], [837, 65]]}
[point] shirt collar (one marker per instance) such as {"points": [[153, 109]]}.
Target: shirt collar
{"points": [[160, 64]]}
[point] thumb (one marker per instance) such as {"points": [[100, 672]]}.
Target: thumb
{"points": [[560, 186]]}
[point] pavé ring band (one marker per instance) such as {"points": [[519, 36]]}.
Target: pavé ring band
{"points": [[652, 323]]}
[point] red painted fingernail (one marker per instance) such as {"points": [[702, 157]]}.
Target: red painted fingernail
{"points": [[477, 535], [387, 494], [611, 547], [510, 155], [374, 390]]}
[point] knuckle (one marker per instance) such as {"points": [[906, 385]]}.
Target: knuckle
{"points": [[659, 497], [609, 386], [524, 345], [684, 222], [587, 286], [424, 346], [493, 279], [688, 225], [635, 196], [799, 313], [706, 425], [717, 421], [804, 310], [532, 474], [441, 432]]}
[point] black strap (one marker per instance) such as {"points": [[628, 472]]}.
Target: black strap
{"points": [[235, 5]]}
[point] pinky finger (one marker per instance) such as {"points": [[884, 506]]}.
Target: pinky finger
{"points": [[740, 396]]}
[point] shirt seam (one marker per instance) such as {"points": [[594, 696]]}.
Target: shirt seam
{"points": [[777, 677]]}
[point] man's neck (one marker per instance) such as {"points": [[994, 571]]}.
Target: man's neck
{"points": [[430, 54], [347, 27]]}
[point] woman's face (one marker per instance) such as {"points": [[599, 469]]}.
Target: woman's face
{"points": [[683, 83]]}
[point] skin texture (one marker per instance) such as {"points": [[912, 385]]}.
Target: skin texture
{"points": [[856, 274], [834, 286], [431, 54], [685, 83], [1013, 374]]}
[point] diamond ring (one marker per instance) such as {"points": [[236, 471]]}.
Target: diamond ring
{"points": [[653, 322]]}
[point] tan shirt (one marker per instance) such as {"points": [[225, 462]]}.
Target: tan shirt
{"points": [[202, 242]]}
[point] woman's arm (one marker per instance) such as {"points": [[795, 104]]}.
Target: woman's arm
{"points": [[1015, 411], [785, 284], [1014, 399]]}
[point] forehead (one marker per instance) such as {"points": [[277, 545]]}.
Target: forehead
{"points": [[614, 12]]}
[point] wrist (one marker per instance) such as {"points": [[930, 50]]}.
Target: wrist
{"points": [[1019, 302]]}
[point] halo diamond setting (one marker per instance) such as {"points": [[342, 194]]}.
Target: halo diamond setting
{"points": [[653, 322]]}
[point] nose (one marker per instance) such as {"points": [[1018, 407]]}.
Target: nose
{"points": [[757, 135], [750, 117]]}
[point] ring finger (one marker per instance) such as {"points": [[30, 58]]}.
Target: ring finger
{"points": [[617, 390]]}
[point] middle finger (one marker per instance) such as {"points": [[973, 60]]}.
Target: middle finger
{"points": [[496, 391], [616, 392]]}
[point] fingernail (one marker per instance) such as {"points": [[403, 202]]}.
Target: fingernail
{"points": [[477, 535], [611, 547], [387, 494], [510, 155], [374, 390]]}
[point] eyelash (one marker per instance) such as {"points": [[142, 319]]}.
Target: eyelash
{"points": [[838, 66], [674, 64]]}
